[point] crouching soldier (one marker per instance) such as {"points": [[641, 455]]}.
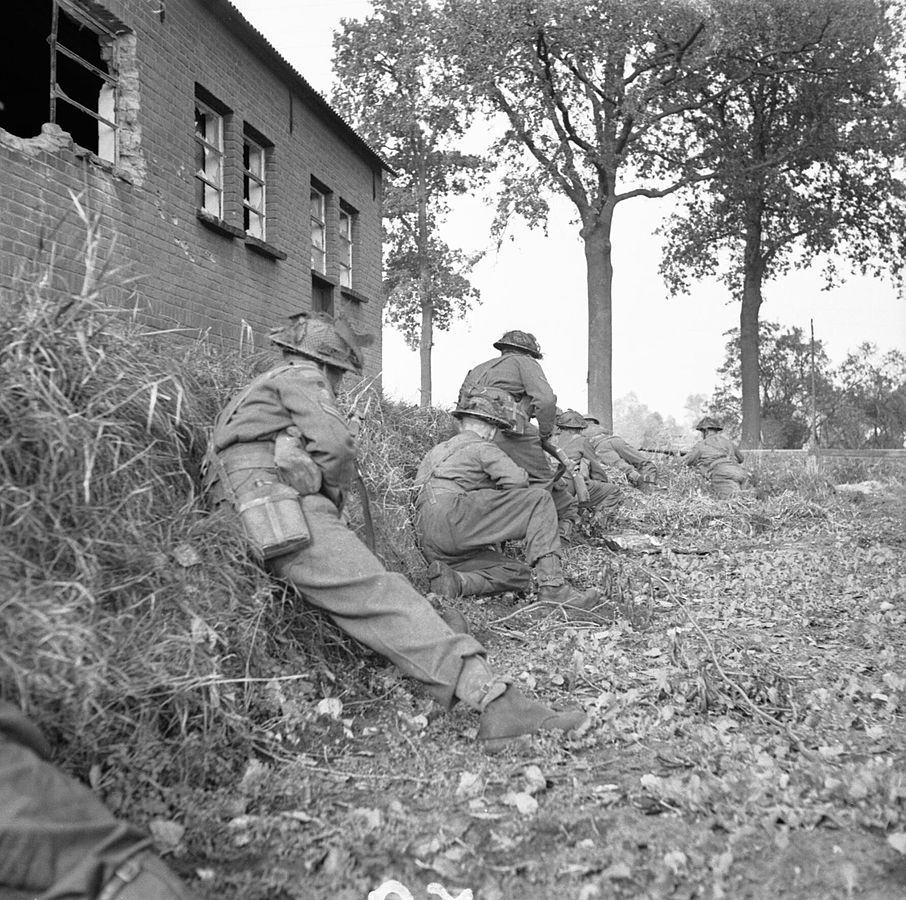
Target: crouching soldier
{"points": [[603, 496], [718, 459], [57, 840], [283, 457], [518, 373], [614, 451], [472, 495]]}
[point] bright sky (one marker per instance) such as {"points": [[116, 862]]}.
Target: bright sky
{"points": [[664, 348]]}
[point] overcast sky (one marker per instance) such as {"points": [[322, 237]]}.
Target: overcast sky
{"points": [[664, 348]]}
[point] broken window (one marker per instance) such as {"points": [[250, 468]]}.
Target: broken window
{"points": [[318, 231], [208, 159], [254, 161], [347, 220], [63, 71]]}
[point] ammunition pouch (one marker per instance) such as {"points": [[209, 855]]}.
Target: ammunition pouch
{"points": [[270, 511]]}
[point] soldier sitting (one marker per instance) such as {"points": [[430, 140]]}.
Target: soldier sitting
{"points": [[315, 552], [472, 495], [614, 451], [602, 495], [718, 458]]}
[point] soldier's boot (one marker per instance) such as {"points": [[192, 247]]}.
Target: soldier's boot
{"points": [[566, 527], [455, 619], [443, 580], [513, 716], [506, 713], [552, 586]]}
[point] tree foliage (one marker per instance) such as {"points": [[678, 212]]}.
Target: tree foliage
{"points": [[396, 89], [860, 404], [785, 378], [587, 90], [802, 129]]}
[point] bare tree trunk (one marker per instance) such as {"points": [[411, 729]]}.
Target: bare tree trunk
{"points": [[426, 340], [749, 364], [599, 268]]}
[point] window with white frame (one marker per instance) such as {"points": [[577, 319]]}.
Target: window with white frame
{"points": [[254, 159], [208, 159], [347, 221], [318, 231]]}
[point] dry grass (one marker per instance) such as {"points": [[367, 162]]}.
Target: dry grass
{"points": [[133, 626]]}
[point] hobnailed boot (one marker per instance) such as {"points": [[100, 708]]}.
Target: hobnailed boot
{"points": [[552, 586], [566, 595], [513, 715], [443, 580]]}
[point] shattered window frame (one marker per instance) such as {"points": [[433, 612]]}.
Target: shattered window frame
{"points": [[318, 230], [254, 187], [209, 159], [108, 128], [347, 257]]}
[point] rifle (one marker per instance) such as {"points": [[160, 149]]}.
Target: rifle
{"points": [[664, 452], [567, 466], [355, 424]]}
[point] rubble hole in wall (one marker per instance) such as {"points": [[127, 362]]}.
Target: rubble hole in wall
{"points": [[70, 64]]}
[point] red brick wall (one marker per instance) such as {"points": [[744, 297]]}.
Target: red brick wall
{"points": [[185, 273]]}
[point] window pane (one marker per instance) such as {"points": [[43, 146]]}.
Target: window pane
{"points": [[317, 205]]}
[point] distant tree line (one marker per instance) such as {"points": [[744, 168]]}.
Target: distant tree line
{"points": [[859, 404]]}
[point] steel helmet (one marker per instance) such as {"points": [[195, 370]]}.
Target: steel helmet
{"points": [[519, 340], [490, 405], [590, 418], [707, 423], [571, 419], [319, 336]]}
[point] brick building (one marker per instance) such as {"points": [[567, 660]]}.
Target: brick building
{"points": [[236, 194]]}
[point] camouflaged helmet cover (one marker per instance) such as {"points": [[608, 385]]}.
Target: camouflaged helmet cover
{"points": [[571, 419], [319, 336], [708, 423], [487, 404], [520, 340]]}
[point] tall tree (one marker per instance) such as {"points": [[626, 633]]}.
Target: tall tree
{"points": [[395, 88], [588, 90], [803, 142], [785, 378]]}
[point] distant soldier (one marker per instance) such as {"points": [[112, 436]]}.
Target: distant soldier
{"points": [[283, 457], [602, 495], [614, 451], [518, 372], [472, 495], [718, 458], [57, 840]]}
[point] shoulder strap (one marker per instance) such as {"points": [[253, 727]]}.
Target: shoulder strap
{"points": [[230, 409]]}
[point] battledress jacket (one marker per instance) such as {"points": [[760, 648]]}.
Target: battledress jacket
{"points": [[522, 377], [467, 462], [295, 393], [580, 450], [711, 451]]}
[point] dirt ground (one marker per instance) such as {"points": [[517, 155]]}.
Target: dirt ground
{"points": [[746, 691]]}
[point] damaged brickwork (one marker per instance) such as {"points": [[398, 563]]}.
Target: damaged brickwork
{"points": [[188, 269]]}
